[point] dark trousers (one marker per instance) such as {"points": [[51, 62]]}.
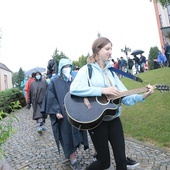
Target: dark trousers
{"points": [[111, 131], [54, 126], [168, 58]]}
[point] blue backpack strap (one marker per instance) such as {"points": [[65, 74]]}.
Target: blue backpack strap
{"points": [[89, 70], [126, 74], [111, 72], [116, 71]]}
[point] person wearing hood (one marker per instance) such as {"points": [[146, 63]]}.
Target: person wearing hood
{"points": [[105, 82], [36, 95], [64, 133]]}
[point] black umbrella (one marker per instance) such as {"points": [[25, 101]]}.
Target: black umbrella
{"points": [[136, 52], [39, 69]]}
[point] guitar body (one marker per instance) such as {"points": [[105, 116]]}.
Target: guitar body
{"points": [[87, 112], [88, 117]]}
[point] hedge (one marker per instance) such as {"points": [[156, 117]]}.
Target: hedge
{"points": [[7, 97]]}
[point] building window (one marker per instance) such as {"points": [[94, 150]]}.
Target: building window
{"points": [[5, 82]]}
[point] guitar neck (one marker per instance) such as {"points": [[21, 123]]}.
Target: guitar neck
{"points": [[128, 92]]}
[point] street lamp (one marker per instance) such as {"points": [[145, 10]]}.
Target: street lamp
{"points": [[126, 50]]}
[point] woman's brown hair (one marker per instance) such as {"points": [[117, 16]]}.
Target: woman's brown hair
{"points": [[98, 44]]}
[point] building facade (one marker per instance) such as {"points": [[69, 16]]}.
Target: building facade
{"points": [[5, 77], [163, 22]]}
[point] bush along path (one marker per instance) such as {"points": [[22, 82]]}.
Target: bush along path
{"points": [[28, 150]]}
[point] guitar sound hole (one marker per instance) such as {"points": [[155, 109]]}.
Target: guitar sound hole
{"points": [[102, 100]]}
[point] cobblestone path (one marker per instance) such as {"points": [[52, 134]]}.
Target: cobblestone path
{"points": [[27, 150]]}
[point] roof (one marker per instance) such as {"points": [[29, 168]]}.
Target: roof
{"points": [[3, 66]]}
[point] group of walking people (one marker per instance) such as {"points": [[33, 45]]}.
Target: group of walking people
{"points": [[48, 99], [137, 63]]}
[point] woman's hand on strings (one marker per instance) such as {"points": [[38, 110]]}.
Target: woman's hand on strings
{"points": [[150, 90]]}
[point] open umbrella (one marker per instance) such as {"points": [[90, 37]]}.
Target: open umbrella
{"points": [[39, 69], [136, 52]]}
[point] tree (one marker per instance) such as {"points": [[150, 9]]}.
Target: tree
{"points": [[57, 56], [76, 63], [153, 54], [81, 61], [14, 79], [164, 3], [21, 76], [17, 78]]}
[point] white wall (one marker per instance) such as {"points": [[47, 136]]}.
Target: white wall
{"points": [[8, 74]]}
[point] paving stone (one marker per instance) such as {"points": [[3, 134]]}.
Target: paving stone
{"points": [[27, 150]]}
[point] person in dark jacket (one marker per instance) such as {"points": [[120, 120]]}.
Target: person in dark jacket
{"points": [[167, 53], [142, 63], [130, 65], [137, 64], [36, 95], [64, 133]]}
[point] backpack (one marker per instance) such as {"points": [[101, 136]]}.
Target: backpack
{"points": [[90, 69]]}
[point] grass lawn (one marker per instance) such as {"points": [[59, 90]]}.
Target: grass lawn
{"points": [[149, 121]]}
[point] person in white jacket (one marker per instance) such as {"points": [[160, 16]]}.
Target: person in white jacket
{"points": [[103, 82]]}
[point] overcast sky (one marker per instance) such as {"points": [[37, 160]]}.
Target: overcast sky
{"points": [[33, 29]]}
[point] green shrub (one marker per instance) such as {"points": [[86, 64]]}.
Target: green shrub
{"points": [[6, 121], [8, 97]]}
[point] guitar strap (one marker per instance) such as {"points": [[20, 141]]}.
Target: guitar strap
{"points": [[117, 71]]}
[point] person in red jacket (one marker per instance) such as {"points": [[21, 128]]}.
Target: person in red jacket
{"points": [[27, 86]]}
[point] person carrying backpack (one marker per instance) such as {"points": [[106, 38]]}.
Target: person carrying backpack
{"points": [[102, 82]]}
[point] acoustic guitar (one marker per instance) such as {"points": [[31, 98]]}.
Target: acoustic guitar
{"points": [[86, 113]]}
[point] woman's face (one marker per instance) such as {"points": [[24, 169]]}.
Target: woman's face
{"points": [[105, 52]]}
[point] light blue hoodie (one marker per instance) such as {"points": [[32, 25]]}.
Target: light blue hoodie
{"points": [[63, 62], [80, 86]]}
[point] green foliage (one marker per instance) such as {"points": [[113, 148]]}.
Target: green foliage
{"points": [[81, 61], [6, 121], [164, 3], [21, 76], [17, 78], [14, 79], [153, 54], [149, 121], [76, 63], [9, 97], [58, 55]]}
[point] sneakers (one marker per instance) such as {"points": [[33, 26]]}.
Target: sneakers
{"points": [[75, 166], [43, 128], [131, 163], [39, 130]]}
